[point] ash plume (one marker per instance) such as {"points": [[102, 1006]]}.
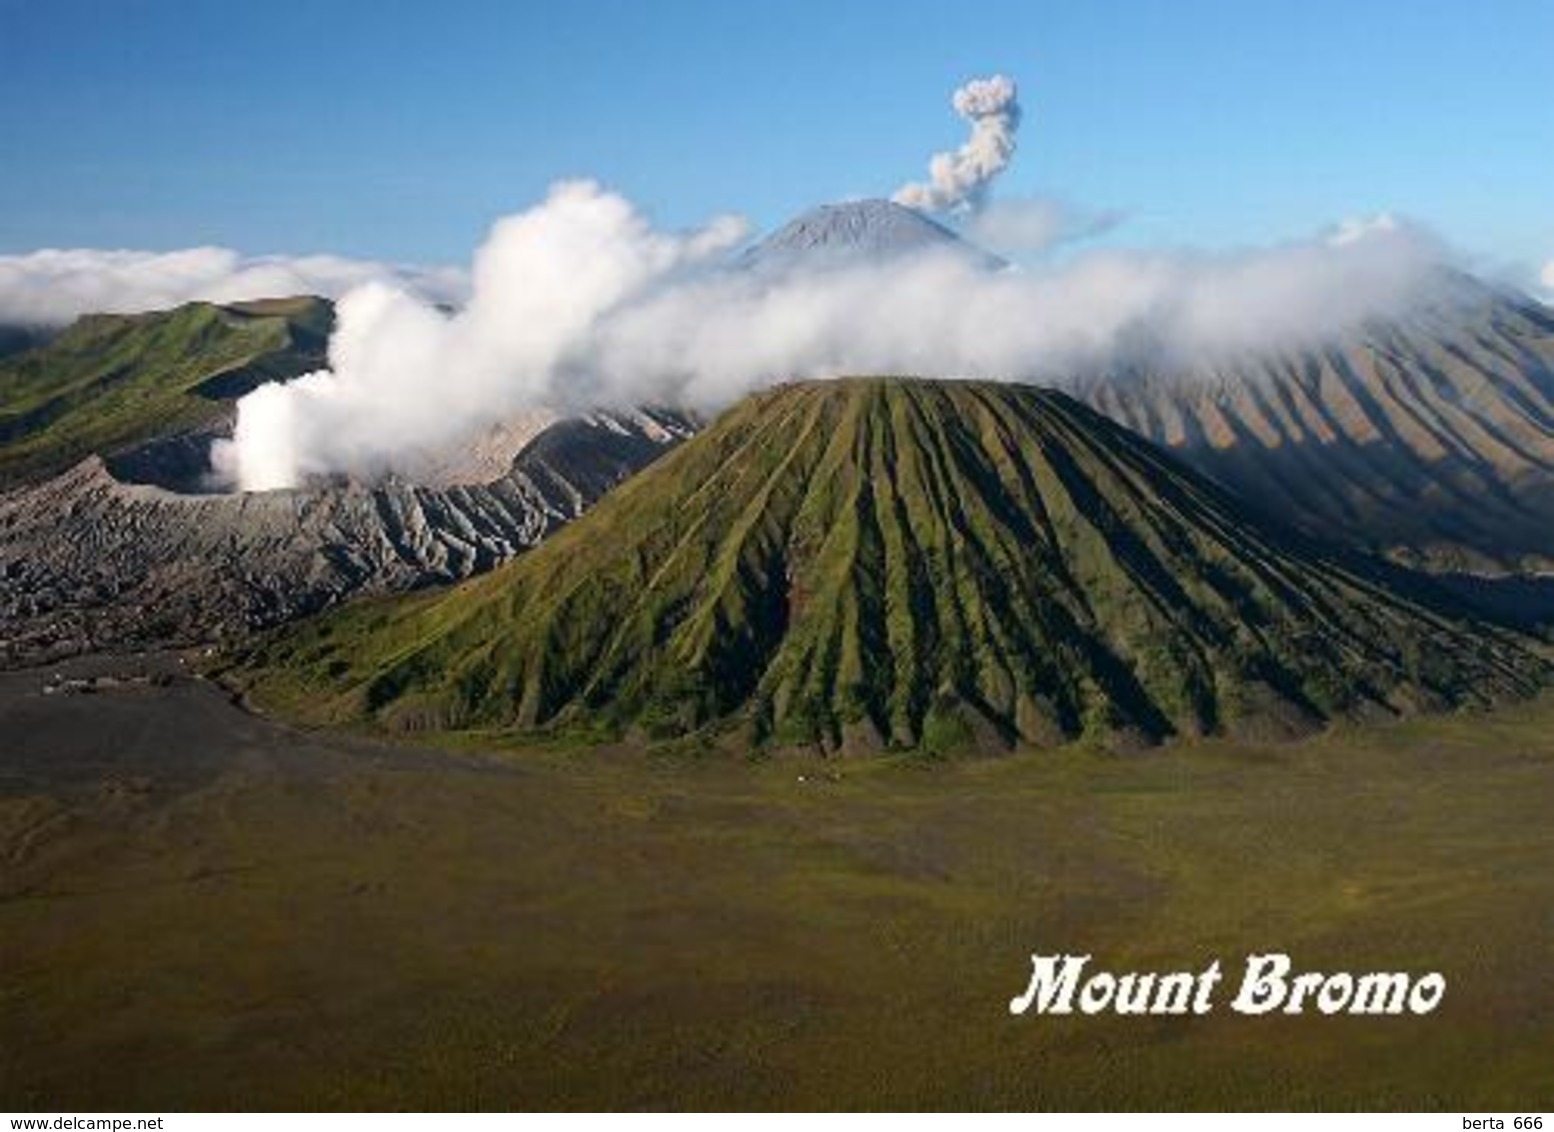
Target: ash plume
{"points": [[958, 180]]}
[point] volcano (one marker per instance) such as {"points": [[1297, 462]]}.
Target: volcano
{"points": [[869, 563], [863, 231], [114, 535], [1426, 436]]}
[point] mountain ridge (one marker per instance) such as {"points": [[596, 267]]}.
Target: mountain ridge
{"points": [[110, 382], [1427, 437]]}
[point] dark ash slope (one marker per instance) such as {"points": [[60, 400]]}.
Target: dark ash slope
{"points": [[91, 562]]}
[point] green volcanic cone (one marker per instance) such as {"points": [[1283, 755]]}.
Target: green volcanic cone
{"points": [[867, 563]]}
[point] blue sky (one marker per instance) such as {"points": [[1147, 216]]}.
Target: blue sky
{"points": [[401, 130]]}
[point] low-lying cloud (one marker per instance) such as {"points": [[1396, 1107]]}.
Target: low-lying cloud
{"points": [[55, 286], [580, 302], [1023, 227]]}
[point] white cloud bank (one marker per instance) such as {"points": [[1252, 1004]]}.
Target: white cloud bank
{"points": [[54, 286], [580, 302]]}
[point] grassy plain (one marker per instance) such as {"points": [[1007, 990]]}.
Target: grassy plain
{"points": [[200, 908]]}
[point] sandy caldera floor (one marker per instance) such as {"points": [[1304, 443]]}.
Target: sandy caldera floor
{"points": [[200, 908]]}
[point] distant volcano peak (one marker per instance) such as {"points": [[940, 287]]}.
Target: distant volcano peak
{"points": [[870, 230]]}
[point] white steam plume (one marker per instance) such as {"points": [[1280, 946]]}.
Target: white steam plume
{"points": [[54, 286], [959, 181], [580, 303], [405, 377]]}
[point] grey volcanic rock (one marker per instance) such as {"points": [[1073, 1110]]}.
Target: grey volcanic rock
{"points": [[89, 561], [864, 230]]}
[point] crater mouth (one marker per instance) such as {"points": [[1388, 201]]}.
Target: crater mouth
{"points": [[179, 464]]}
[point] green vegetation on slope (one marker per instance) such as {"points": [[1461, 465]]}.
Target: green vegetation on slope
{"points": [[110, 381], [877, 562]]}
